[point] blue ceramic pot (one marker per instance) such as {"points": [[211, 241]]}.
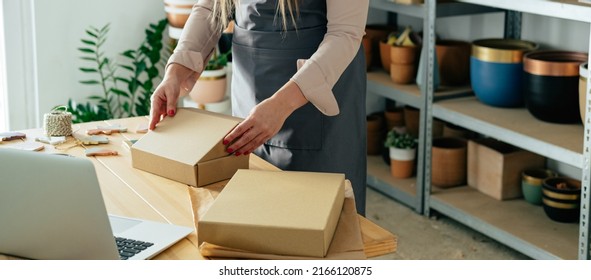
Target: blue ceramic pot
{"points": [[496, 68]]}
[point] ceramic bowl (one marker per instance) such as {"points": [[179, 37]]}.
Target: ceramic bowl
{"points": [[583, 75], [561, 198], [531, 184], [496, 67], [551, 85]]}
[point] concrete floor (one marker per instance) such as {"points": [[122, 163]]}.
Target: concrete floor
{"points": [[431, 238]]}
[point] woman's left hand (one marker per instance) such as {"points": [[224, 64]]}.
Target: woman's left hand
{"points": [[264, 120]]}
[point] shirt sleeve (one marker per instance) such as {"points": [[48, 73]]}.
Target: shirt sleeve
{"points": [[198, 39], [317, 76]]}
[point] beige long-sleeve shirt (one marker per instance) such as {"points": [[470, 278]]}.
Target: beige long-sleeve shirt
{"points": [[315, 76]]}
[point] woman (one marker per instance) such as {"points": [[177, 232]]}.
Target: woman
{"points": [[298, 81]]}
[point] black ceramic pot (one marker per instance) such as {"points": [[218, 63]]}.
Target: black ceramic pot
{"points": [[562, 203], [552, 99], [551, 85]]}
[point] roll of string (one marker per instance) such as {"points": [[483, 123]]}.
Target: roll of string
{"points": [[57, 123]]}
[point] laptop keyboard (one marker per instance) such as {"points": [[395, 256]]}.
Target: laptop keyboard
{"points": [[129, 247]]}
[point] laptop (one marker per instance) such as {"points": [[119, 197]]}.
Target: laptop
{"points": [[51, 207]]}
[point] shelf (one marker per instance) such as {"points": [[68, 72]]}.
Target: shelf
{"points": [[565, 9], [515, 223], [443, 9], [516, 126], [379, 178], [379, 82]]}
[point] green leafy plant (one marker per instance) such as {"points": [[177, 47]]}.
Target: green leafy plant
{"points": [[124, 93], [218, 60], [400, 140]]}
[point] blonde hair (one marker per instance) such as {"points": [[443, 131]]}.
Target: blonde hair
{"points": [[222, 11]]}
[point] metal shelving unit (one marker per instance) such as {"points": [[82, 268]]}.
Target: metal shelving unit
{"points": [[412, 95], [515, 223]]}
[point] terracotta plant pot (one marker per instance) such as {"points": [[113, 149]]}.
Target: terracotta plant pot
{"points": [[403, 73], [394, 118], [377, 33], [551, 85], [562, 204], [412, 118], [453, 58], [448, 167], [375, 133], [402, 162], [583, 75], [210, 88], [403, 64], [385, 55], [178, 11]]}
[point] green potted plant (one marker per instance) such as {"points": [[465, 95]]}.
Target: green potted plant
{"points": [[122, 86], [403, 147]]}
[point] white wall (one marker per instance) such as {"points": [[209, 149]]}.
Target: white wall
{"points": [[58, 26], [547, 31]]}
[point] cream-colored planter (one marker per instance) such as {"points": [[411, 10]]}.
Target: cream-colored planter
{"points": [[210, 88]]}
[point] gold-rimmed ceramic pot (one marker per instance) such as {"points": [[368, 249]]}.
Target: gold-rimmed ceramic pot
{"points": [[561, 197], [551, 85], [178, 11], [583, 75], [496, 67], [531, 184]]}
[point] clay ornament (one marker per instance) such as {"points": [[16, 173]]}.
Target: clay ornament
{"points": [[99, 131], [94, 140], [7, 136], [100, 152], [53, 140], [113, 128]]}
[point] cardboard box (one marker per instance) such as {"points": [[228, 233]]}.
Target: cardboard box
{"points": [[276, 212], [494, 167], [188, 148]]}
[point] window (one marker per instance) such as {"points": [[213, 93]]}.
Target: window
{"points": [[3, 96]]}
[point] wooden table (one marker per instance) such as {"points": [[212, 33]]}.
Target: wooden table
{"points": [[135, 193]]}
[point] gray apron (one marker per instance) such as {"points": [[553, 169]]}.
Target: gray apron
{"points": [[264, 59]]}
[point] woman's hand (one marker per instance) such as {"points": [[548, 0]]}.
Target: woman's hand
{"points": [[265, 120], [166, 95]]}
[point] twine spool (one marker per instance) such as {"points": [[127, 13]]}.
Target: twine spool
{"points": [[58, 123]]}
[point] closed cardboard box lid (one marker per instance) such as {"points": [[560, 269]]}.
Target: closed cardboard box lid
{"points": [[278, 212], [190, 137]]}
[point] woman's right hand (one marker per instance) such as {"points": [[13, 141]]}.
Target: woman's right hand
{"points": [[166, 95]]}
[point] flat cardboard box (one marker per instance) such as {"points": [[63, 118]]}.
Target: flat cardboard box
{"points": [[188, 148], [276, 212], [494, 167]]}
